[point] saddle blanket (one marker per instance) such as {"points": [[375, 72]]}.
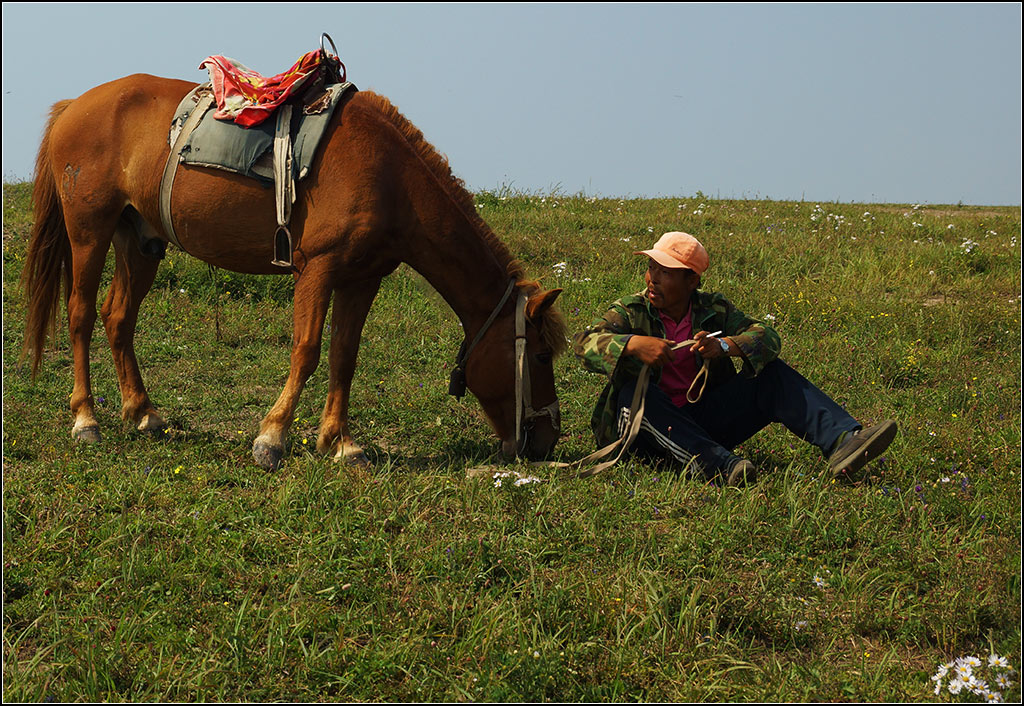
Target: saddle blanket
{"points": [[248, 98], [248, 151]]}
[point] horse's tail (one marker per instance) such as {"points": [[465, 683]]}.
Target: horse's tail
{"points": [[48, 261]]}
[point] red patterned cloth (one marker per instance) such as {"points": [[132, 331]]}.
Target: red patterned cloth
{"points": [[248, 98]]}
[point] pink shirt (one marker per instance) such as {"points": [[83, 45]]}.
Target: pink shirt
{"points": [[677, 377]]}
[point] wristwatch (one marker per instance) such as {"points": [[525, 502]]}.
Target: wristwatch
{"points": [[725, 345]]}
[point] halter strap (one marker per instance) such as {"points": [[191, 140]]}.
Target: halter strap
{"points": [[524, 396]]}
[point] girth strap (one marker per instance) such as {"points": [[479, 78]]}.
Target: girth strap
{"points": [[171, 166]]}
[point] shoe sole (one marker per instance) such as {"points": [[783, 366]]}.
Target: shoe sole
{"points": [[867, 452], [743, 476]]}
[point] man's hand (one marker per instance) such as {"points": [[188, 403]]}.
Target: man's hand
{"points": [[710, 347], [652, 351]]}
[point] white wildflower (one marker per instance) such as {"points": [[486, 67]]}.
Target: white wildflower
{"points": [[963, 671], [526, 481], [998, 662]]}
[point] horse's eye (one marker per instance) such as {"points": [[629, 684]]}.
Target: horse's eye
{"points": [[544, 358]]}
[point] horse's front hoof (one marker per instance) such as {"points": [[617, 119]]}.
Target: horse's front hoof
{"points": [[267, 457], [88, 434]]}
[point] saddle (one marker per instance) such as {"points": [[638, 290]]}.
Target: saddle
{"points": [[267, 129]]}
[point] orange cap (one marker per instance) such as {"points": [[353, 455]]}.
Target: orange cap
{"points": [[677, 249]]}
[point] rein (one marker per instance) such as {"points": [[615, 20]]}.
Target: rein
{"points": [[457, 379], [620, 446], [636, 415]]}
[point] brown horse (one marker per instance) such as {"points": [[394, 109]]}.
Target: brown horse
{"points": [[378, 195]]}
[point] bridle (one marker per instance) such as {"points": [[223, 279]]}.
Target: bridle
{"points": [[525, 413]]}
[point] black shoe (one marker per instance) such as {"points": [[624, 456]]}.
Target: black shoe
{"points": [[859, 449], [741, 473]]}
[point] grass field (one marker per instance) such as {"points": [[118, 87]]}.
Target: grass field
{"points": [[176, 570]]}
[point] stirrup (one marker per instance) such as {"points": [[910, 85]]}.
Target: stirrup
{"points": [[282, 248]]}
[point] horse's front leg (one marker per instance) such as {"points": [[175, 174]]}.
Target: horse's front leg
{"points": [[312, 294], [133, 277], [351, 306]]}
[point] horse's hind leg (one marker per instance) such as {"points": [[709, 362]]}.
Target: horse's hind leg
{"points": [[351, 306], [133, 276], [90, 241], [312, 296]]}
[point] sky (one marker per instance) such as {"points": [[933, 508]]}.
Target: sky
{"points": [[865, 103]]}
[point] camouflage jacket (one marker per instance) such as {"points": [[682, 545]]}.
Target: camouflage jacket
{"points": [[599, 347]]}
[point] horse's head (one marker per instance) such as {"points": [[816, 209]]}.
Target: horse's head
{"points": [[515, 382]]}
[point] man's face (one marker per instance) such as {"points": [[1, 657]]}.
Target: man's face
{"points": [[670, 288]]}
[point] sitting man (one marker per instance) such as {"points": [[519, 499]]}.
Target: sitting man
{"points": [[699, 430]]}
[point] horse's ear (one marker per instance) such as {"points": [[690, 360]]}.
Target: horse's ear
{"points": [[540, 303]]}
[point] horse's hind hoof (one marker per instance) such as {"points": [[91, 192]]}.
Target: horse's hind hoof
{"points": [[354, 456], [267, 456], [89, 434], [152, 424]]}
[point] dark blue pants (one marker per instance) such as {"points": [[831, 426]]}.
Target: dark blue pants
{"points": [[704, 434]]}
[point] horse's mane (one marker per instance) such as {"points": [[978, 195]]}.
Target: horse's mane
{"points": [[554, 328]]}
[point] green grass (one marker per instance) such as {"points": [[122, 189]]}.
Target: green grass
{"points": [[177, 570]]}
